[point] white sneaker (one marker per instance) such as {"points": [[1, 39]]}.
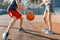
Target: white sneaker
{"points": [[45, 29], [49, 32], [5, 36]]}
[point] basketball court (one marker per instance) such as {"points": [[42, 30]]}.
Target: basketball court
{"points": [[32, 28]]}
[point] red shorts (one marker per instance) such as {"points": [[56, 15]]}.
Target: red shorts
{"points": [[15, 13]]}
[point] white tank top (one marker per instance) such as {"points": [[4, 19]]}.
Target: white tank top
{"points": [[46, 5]]}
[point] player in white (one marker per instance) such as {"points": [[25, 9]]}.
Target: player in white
{"points": [[47, 13]]}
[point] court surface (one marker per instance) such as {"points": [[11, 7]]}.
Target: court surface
{"points": [[32, 28]]}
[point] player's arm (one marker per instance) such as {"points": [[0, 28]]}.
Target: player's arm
{"points": [[41, 4], [20, 6]]}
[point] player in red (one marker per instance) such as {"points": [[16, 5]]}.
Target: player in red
{"points": [[15, 14]]}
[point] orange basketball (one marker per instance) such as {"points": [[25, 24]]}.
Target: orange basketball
{"points": [[30, 16]]}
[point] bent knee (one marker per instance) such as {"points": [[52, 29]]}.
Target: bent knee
{"points": [[21, 18], [44, 17], [14, 18]]}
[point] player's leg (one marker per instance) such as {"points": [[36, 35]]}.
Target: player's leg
{"points": [[50, 21], [50, 24], [21, 22], [5, 35], [45, 20]]}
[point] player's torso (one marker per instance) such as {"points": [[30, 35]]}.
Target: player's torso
{"points": [[13, 5]]}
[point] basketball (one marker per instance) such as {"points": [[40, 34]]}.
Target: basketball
{"points": [[30, 16]]}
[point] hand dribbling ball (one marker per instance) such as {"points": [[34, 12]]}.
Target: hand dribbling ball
{"points": [[30, 16]]}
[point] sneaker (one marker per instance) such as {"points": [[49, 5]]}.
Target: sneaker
{"points": [[45, 29], [5, 36], [49, 32], [21, 30]]}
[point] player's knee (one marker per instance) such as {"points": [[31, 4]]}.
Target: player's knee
{"points": [[49, 18], [44, 18], [14, 18], [21, 18]]}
